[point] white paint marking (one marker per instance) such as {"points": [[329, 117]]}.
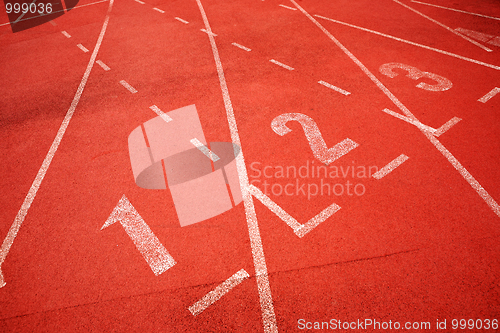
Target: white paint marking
{"points": [[128, 86], [331, 86], [208, 32], [291, 8], [281, 64], [139, 1], [162, 114], [144, 239], [456, 10], [465, 174], [412, 43], [103, 65], [53, 23], [475, 34], [390, 167], [218, 292], [411, 121], [445, 26], [83, 48], [299, 229], [241, 47], [30, 197], [259, 260], [66, 34], [181, 20], [159, 10], [489, 95], [449, 124], [204, 149]]}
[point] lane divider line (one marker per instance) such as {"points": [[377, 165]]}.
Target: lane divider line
{"points": [[162, 114], [456, 10], [241, 47], [331, 86], [83, 48], [449, 124], [65, 34], [159, 10], [139, 1], [181, 20], [390, 167], [103, 65], [53, 23], [410, 121], [208, 32], [281, 64], [489, 95], [204, 149], [287, 7], [218, 292], [128, 86]]}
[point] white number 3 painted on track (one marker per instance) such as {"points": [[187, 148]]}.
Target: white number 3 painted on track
{"points": [[415, 74]]}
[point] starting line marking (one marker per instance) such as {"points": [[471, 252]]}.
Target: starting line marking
{"points": [[65, 33], [241, 47], [291, 8], [299, 229], [331, 86], [181, 20], [390, 167], [103, 65], [83, 48], [218, 292], [159, 10], [281, 64], [456, 10], [128, 86], [159, 112], [489, 95], [204, 149]]}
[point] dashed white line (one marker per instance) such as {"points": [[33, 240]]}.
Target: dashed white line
{"points": [[204, 149], [489, 95], [159, 10], [208, 32], [241, 47], [291, 8], [449, 124], [181, 20], [390, 167], [53, 23], [412, 43], [83, 48], [281, 64], [218, 292], [66, 34], [331, 86], [457, 10], [139, 1], [159, 112], [128, 86], [103, 65], [445, 26]]}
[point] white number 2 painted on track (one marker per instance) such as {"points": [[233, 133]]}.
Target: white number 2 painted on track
{"points": [[415, 74]]}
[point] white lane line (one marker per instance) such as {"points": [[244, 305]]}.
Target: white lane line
{"points": [[128, 86], [291, 8], [159, 10], [152, 250], [53, 23], [390, 167], [103, 65], [449, 124], [331, 86], [57, 11], [139, 1], [66, 34], [159, 112], [83, 48], [456, 10], [218, 292], [241, 47], [412, 43], [411, 121], [208, 32], [181, 20], [30, 197], [299, 229], [281, 64], [445, 26], [475, 34], [259, 259], [204, 149], [456, 164], [489, 95]]}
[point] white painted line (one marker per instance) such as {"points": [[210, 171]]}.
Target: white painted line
{"points": [[489, 95], [390, 167], [30, 197], [139, 1], [181, 20], [241, 47], [259, 260], [299, 229], [66, 34], [412, 43], [208, 32], [53, 23], [159, 10], [281, 64], [291, 8], [475, 34], [410, 121], [449, 124], [159, 112], [103, 65], [128, 86], [331, 86], [83, 48], [153, 251], [495, 41], [218, 292], [456, 164], [204, 149], [445, 26], [456, 10]]}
